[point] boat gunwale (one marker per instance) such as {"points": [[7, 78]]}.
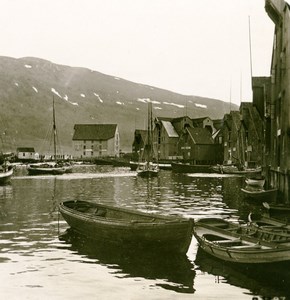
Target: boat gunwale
{"points": [[166, 220], [6, 174]]}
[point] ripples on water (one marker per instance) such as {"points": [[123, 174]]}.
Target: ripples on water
{"points": [[41, 259]]}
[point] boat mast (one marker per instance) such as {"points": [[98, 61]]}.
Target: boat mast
{"points": [[250, 46], [54, 129]]}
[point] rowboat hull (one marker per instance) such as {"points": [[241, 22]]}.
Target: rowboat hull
{"points": [[239, 248], [128, 227], [235, 171], [260, 194], [5, 176], [277, 210]]}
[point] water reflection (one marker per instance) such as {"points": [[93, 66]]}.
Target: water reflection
{"points": [[30, 224], [267, 281], [6, 191], [172, 272]]}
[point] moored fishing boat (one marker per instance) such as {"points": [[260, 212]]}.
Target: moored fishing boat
{"points": [[51, 168], [46, 169], [148, 164], [225, 241], [128, 227]]}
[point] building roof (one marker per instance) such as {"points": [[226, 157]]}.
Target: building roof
{"points": [[169, 129], [25, 149], [200, 135], [94, 131], [198, 122]]}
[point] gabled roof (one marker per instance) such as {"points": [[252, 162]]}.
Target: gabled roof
{"points": [[200, 135], [199, 121], [94, 131], [169, 129], [25, 149]]}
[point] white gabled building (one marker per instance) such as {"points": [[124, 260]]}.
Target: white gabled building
{"points": [[26, 154], [96, 140]]}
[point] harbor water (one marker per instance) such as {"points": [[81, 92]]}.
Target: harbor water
{"points": [[40, 258]]}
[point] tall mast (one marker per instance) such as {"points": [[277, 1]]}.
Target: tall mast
{"points": [[250, 45], [54, 129]]}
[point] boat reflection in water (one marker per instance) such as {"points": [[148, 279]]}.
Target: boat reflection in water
{"points": [[172, 272], [268, 281]]}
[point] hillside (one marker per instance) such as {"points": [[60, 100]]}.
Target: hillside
{"points": [[28, 85]]}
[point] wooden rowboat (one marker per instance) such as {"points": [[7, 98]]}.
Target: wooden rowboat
{"points": [[260, 194], [255, 182], [128, 227], [277, 209], [221, 239], [6, 173]]}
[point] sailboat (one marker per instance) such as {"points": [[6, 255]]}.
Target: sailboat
{"points": [[147, 167], [54, 168]]}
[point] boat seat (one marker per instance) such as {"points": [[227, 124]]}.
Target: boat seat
{"points": [[223, 242], [247, 247], [100, 212]]}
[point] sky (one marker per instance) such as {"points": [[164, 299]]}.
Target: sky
{"points": [[192, 47]]}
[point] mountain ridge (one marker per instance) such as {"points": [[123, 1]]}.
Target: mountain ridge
{"points": [[28, 85]]}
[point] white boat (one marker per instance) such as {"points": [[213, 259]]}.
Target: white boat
{"points": [[255, 182], [6, 173]]}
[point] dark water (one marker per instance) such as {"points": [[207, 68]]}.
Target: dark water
{"points": [[41, 259]]}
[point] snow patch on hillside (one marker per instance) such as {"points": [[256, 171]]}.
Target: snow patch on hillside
{"points": [[174, 104], [28, 66], [144, 100], [97, 95], [64, 98], [200, 105], [120, 103], [83, 95], [56, 93], [36, 91]]}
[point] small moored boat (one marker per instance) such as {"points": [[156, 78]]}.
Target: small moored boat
{"points": [[128, 227], [46, 169], [277, 209], [6, 173], [260, 194], [255, 182], [221, 239]]}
